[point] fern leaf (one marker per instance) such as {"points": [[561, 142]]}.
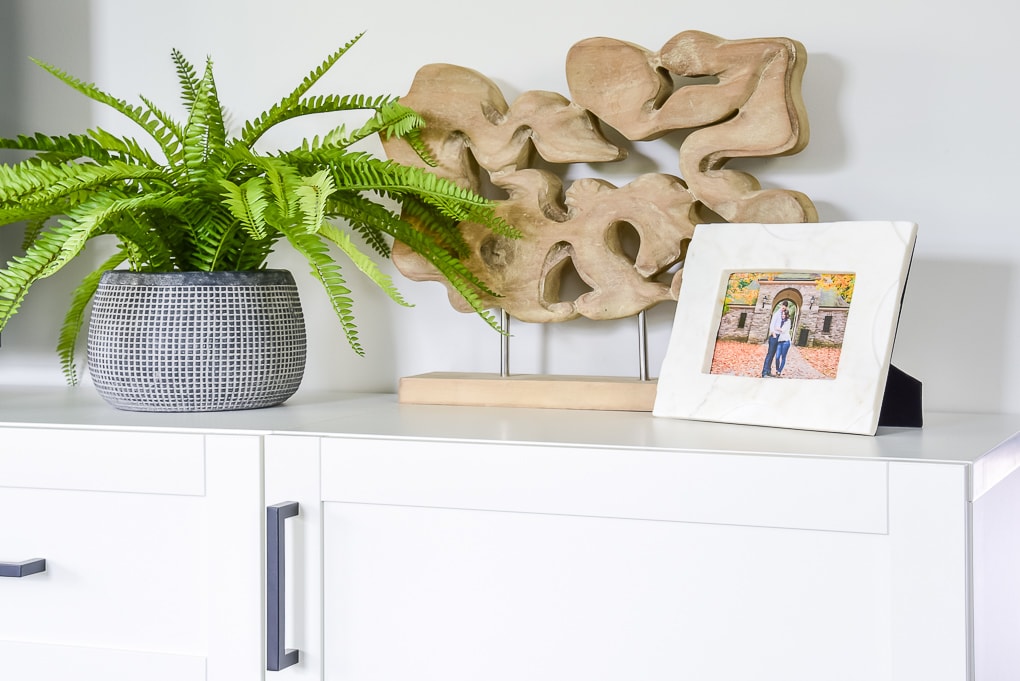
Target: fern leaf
{"points": [[136, 114], [252, 254], [188, 78], [57, 150], [86, 221], [391, 119], [366, 265], [368, 218], [70, 330], [328, 272], [312, 194], [33, 228], [44, 183], [248, 204], [282, 110], [319, 105], [23, 271], [362, 172], [414, 139], [170, 134], [125, 148], [444, 230], [205, 131], [213, 241], [464, 280]]}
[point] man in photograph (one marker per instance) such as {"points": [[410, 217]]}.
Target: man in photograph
{"points": [[773, 338]]}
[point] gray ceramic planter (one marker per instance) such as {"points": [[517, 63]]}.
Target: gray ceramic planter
{"points": [[196, 341]]}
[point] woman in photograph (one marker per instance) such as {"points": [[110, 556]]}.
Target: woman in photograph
{"points": [[783, 341], [773, 339]]}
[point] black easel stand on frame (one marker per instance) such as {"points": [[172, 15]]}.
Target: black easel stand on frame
{"points": [[901, 402]]}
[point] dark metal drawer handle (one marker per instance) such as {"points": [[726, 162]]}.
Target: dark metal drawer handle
{"points": [[277, 657], [24, 568]]}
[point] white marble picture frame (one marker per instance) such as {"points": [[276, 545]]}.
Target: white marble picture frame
{"points": [[878, 253]]}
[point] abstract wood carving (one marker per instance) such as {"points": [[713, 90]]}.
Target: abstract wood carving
{"points": [[725, 99]]}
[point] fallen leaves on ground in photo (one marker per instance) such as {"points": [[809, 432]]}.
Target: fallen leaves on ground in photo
{"points": [[736, 358]]}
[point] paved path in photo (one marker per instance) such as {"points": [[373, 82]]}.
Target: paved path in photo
{"points": [[736, 358], [797, 366]]}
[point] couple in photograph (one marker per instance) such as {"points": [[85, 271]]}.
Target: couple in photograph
{"points": [[779, 341]]}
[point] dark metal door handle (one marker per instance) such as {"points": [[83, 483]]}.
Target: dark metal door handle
{"points": [[277, 657], [24, 568]]}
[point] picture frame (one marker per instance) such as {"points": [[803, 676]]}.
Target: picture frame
{"points": [[843, 322]]}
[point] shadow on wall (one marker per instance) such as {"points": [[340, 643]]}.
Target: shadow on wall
{"points": [[953, 335], [10, 95], [33, 101], [824, 82], [10, 48]]}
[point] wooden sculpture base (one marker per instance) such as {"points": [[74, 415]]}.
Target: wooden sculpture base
{"points": [[604, 393]]}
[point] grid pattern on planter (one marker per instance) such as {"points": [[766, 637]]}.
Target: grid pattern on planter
{"points": [[196, 348]]}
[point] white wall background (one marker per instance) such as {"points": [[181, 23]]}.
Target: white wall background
{"points": [[912, 105]]}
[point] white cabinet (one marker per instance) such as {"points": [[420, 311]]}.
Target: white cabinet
{"points": [[469, 543], [507, 556], [152, 543]]}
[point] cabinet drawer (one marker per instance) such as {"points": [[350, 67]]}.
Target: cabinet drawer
{"points": [[152, 543], [733, 489], [144, 462], [119, 569]]}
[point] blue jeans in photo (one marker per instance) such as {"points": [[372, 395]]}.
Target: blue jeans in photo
{"points": [[767, 368], [782, 347]]}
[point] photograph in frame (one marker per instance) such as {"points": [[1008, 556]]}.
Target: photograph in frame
{"points": [[783, 324], [787, 325]]}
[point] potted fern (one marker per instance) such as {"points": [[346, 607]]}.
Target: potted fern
{"points": [[198, 204]]}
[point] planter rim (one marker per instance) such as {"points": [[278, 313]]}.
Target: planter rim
{"points": [[221, 278]]}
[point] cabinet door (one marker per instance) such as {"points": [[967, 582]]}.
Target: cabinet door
{"points": [[458, 561], [152, 546]]}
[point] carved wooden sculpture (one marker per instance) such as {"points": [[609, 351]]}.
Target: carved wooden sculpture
{"points": [[740, 97]]}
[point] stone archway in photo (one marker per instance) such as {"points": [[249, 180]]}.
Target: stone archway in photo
{"points": [[772, 294]]}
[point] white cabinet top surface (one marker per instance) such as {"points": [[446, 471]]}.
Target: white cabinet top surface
{"points": [[945, 437]]}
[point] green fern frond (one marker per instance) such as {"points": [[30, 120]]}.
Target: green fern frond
{"points": [[212, 239], [361, 172], [366, 265], [187, 76], [58, 149], [33, 228], [100, 214], [392, 119], [414, 139], [23, 271], [35, 214], [123, 148], [204, 133], [171, 135], [444, 230], [147, 249], [327, 271], [369, 218], [312, 194], [70, 330], [337, 137], [252, 254], [281, 177], [137, 114], [467, 283], [283, 110], [282, 182], [318, 105], [248, 204], [45, 183]]}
